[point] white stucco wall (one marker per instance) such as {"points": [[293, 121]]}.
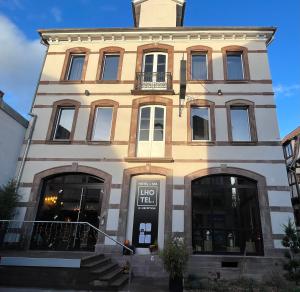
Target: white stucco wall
{"points": [[12, 135]]}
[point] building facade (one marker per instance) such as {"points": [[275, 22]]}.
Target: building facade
{"points": [[291, 149], [12, 129], [164, 129]]}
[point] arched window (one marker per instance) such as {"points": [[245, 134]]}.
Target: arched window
{"points": [[75, 64], [225, 215], [63, 120]]}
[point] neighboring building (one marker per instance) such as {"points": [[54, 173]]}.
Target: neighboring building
{"points": [[163, 129], [12, 131], [291, 149]]}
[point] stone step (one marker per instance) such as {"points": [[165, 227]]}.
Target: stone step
{"points": [[105, 269], [120, 281], [97, 263], [90, 259], [112, 275]]}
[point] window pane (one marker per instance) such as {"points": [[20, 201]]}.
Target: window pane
{"points": [[148, 68], [200, 123], [110, 68], [144, 124], [76, 65], [144, 135], [102, 124], [234, 66], [199, 67], [240, 124], [159, 124], [64, 123]]}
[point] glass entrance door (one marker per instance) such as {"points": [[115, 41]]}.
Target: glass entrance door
{"points": [[65, 201]]}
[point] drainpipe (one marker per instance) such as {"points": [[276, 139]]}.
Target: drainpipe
{"points": [[33, 123]]}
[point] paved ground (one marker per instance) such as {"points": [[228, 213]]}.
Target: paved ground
{"points": [[138, 285]]}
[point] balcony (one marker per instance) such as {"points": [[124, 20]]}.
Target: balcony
{"points": [[153, 83]]}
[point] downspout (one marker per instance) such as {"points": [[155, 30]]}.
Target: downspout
{"points": [[33, 123]]}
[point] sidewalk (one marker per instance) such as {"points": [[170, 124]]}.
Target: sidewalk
{"points": [[138, 285]]}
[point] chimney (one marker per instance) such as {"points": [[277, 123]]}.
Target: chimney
{"points": [[158, 13]]}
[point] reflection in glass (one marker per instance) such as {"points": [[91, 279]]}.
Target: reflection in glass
{"points": [[200, 123], [240, 124], [102, 124], [64, 123], [235, 66], [76, 66], [110, 67], [225, 215], [199, 67]]}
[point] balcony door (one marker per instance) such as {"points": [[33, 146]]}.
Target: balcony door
{"points": [[154, 71], [151, 131]]}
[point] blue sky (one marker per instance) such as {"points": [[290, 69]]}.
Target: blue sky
{"points": [[21, 54]]}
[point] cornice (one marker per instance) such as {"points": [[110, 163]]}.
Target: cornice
{"points": [[157, 34]]}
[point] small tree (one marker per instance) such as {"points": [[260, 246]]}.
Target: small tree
{"points": [[175, 257], [291, 241], [8, 200]]}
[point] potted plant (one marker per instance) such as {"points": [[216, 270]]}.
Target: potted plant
{"points": [[153, 247], [175, 257]]}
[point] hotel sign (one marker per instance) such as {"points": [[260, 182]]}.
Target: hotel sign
{"points": [[145, 224]]}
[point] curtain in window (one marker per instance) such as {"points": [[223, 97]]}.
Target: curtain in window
{"points": [[111, 67], [75, 72], [235, 66], [199, 67]]}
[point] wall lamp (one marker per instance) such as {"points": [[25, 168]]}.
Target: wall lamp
{"points": [[86, 92], [220, 92]]}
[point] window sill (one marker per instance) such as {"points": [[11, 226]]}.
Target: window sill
{"points": [[242, 143], [72, 81], [89, 142], [237, 81], [59, 142], [149, 159], [201, 143], [153, 92], [108, 81]]}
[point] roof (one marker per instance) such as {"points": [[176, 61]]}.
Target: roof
{"points": [[291, 135], [12, 113]]}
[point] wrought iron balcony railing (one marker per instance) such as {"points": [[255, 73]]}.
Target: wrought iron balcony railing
{"points": [[153, 81]]}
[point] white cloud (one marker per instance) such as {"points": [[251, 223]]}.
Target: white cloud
{"points": [[56, 13], [21, 61], [287, 90]]}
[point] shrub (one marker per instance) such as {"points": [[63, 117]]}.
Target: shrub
{"points": [[8, 200]]}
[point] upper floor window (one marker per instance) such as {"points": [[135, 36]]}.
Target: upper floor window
{"points": [[75, 67], [199, 66], [236, 65], [288, 150], [102, 124], [235, 70], [154, 68], [200, 123], [64, 122], [110, 64], [103, 115], [75, 64], [110, 67], [199, 63], [240, 123]]}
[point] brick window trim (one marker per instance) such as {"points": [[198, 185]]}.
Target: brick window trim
{"points": [[150, 100], [201, 103], [245, 60], [66, 65], [54, 116], [106, 51], [252, 121], [94, 106], [151, 48], [199, 49]]}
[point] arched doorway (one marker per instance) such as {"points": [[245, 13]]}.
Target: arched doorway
{"points": [[226, 215], [66, 200]]}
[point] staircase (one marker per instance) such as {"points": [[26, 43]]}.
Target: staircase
{"points": [[103, 273], [94, 272]]}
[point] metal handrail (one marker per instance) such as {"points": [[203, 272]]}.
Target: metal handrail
{"points": [[90, 225], [66, 222]]}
